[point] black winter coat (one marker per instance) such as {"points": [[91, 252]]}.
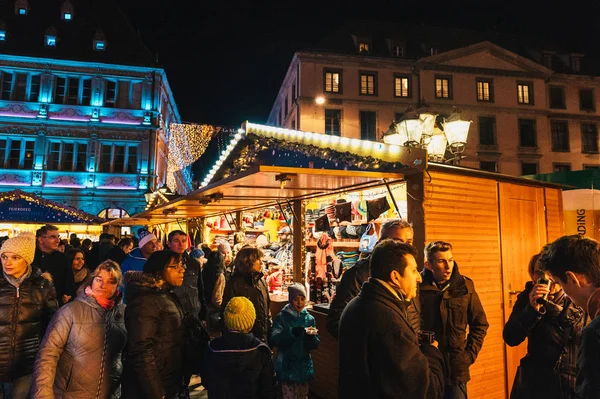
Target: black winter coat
{"points": [[256, 290], [549, 368], [57, 264], [24, 316], [154, 357], [210, 273], [349, 287], [116, 254], [191, 292], [448, 313], [379, 352], [239, 366]]}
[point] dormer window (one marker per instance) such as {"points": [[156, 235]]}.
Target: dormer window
{"points": [[67, 16], [50, 41], [99, 42], [66, 11], [433, 50], [21, 7], [2, 35], [576, 63], [364, 47]]}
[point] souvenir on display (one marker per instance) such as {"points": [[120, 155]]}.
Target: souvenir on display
{"points": [[368, 239], [376, 207]]}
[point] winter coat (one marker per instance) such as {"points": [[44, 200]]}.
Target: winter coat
{"points": [[80, 356], [293, 362], [191, 292], [154, 355], [588, 359], [253, 287], [116, 254], [24, 315], [548, 370], [57, 264], [349, 287], [239, 366], [213, 268], [379, 352], [135, 260], [447, 313]]}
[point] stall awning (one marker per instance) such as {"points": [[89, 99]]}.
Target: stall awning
{"points": [[21, 207], [259, 187]]}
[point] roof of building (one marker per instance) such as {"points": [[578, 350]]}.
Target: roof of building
{"points": [[418, 41], [90, 19]]}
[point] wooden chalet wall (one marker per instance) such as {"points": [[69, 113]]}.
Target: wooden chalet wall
{"points": [[554, 213]]}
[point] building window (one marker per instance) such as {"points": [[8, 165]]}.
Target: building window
{"points": [[333, 81], [67, 16], [110, 93], [485, 90], [333, 122], [72, 90], [560, 136], [19, 86], [2, 35], [443, 87], [118, 158], [67, 155], [364, 47], [529, 168], [368, 83], [99, 45], [487, 130], [368, 125], [591, 167], [489, 166], [576, 63], [527, 133], [401, 86], [561, 167], [50, 41], [525, 93], [586, 100], [589, 138], [22, 11], [557, 97], [16, 153], [398, 51]]}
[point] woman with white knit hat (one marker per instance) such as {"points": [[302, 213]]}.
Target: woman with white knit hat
{"points": [[27, 302]]}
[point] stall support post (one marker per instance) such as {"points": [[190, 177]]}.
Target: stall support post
{"points": [[238, 221], [298, 240], [416, 215]]}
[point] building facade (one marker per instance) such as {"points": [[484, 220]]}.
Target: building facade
{"points": [[533, 111], [84, 107]]}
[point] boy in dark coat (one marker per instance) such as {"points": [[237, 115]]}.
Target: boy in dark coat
{"points": [[237, 364]]}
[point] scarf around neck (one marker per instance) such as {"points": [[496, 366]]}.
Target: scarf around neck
{"points": [[105, 303], [16, 282], [81, 274]]}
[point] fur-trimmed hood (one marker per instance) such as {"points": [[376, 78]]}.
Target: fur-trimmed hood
{"points": [[147, 280]]}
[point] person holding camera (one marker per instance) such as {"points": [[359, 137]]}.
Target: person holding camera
{"points": [[552, 324]]}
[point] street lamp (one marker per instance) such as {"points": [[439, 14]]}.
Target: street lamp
{"points": [[456, 131], [436, 149], [407, 131]]}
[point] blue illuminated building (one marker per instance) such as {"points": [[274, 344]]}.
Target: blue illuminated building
{"points": [[84, 107]]}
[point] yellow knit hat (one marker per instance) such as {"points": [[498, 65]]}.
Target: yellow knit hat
{"points": [[22, 245], [240, 314]]}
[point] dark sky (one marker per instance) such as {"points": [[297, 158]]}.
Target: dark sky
{"points": [[225, 60]]}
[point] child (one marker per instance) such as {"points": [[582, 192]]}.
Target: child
{"points": [[237, 364], [294, 334]]}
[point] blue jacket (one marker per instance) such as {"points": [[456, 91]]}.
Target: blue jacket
{"points": [[293, 362], [134, 261]]}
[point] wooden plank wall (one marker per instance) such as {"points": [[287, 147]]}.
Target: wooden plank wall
{"points": [[554, 213], [464, 211]]}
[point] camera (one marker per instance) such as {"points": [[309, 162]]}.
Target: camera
{"points": [[546, 282], [426, 337]]}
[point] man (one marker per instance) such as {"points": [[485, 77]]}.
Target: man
{"points": [[49, 259], [448, 304], [354, 277], [136, 259], [574, 263], [120, 251], [99, 250], [379, 351]]}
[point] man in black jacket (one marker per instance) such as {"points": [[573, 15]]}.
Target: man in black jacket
{"points": [[49, 259], [574, 263], [354, 277], [379, 351], [449, 304]]}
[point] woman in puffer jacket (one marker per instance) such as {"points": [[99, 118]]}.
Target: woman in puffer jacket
{"points": [[80, 356]]}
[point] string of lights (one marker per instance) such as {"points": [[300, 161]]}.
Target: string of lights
{"points": [[186, 144]]}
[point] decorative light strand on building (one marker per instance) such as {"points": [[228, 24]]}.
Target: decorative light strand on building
{"points": [[187, 143]]}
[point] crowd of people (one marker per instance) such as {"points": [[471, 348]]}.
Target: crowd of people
{"points": [[133, 320]]}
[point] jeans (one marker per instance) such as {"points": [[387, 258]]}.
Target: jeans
{"points": [[17, 389], [458, 391]]}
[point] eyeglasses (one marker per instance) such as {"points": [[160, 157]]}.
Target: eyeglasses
{"points": [[177, 266], [53, 237]]}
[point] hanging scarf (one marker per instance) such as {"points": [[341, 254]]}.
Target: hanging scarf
{"points": [[324, 249], [80, 274], [16, 282], [107, 304]]}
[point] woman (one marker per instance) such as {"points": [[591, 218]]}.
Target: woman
{"points": [[27, 303], [80, 356], [248, 281], [213, 276], [154, 366], [552, 325], [76, 258]]}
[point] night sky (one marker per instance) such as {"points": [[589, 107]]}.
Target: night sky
{"points": [[225, 60]]}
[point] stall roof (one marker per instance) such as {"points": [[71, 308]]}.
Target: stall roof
{"points": [[22, 207], [263, 166]]}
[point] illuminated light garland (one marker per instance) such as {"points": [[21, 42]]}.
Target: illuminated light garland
{"points": [[187, 142]]}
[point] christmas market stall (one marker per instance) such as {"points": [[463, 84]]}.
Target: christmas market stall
{"points": [[22, 211], [333, 193]]}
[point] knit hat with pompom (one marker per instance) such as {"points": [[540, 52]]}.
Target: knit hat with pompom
{"points": [[239, 314], [22, 245]]}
